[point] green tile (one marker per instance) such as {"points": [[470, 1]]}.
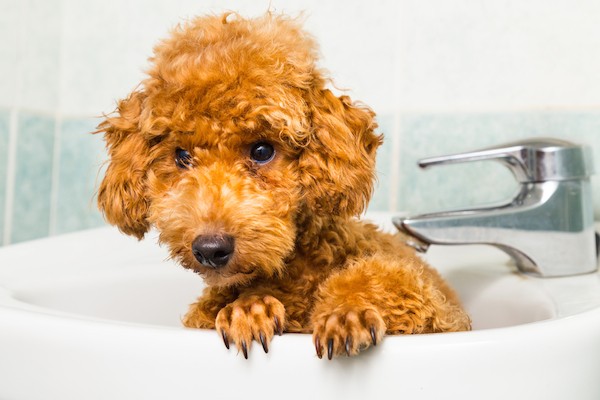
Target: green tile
{"points": [[33, 179], [81, 156], [453, 186]]}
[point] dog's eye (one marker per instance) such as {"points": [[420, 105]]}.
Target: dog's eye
{"points": [[183, 158], [262, 152]]}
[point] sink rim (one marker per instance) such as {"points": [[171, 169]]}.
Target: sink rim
{"points": [[17, 279]]}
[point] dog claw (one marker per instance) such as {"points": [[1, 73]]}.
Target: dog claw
{"points": [[348, 345], [278, 326], [225, 340], [245, 349], [318, 347], [373, 336], [330, 349], [263, 342]]}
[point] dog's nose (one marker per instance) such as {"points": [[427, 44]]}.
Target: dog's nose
{"points": [[213, 251]]}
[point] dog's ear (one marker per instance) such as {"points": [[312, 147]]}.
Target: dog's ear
{"points": [[338, 164], [122, 193]]}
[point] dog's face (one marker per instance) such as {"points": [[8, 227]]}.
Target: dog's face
{"points": [[228, 140], [224, 198]]}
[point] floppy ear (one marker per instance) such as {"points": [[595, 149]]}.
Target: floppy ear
{"points": [[338, 163], [122, 193]]}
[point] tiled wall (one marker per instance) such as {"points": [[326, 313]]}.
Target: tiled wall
{"points": [[47, 182], [444, 76]]}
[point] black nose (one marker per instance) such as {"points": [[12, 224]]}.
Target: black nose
{"points": [[213, 251]]}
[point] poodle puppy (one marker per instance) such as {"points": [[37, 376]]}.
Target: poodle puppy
{"points": [[253, 172]]}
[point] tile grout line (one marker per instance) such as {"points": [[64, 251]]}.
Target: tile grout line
{"points": [[55, 178], [11, 166]]}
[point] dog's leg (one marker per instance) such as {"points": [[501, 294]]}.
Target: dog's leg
{"points": [[251, 317], [203, 313], [356, 306]]}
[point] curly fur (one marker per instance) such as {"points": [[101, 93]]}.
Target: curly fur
{"points": [[302, 261]]}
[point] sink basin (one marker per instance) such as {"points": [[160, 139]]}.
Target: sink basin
{"points": [[96, 315]]}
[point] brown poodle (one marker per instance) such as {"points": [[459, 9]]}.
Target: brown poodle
{"points": [[253, 173]]}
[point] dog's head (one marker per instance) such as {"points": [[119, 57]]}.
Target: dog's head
{"points": [[231, 136]]}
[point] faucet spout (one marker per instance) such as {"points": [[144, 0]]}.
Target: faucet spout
{"points": [[547, 227]]}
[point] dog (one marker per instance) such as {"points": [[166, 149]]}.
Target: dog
{"points": [[254, 172]]}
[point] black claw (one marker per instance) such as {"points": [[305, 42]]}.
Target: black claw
{"points": [[225, 340], [318, 347], [330, 349], [373, 336], [278, 327], [263, 342], [245, 350], [348, 345]]}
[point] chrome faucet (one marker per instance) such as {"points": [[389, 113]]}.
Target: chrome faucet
{"points": [[548, 225]]}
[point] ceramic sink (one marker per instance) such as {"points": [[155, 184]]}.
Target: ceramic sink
{"points": [[96, 315]]}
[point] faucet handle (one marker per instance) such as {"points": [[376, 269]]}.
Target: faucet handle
{"points": [[530, 160]]}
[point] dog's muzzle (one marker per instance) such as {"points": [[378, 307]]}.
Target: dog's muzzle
{"points": [[213, 251]]}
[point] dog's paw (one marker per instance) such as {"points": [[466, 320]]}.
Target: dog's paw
{"points": [[347, 332], [251, 318]]}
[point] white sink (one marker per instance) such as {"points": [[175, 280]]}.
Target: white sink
{"points": [[96, 315]]}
